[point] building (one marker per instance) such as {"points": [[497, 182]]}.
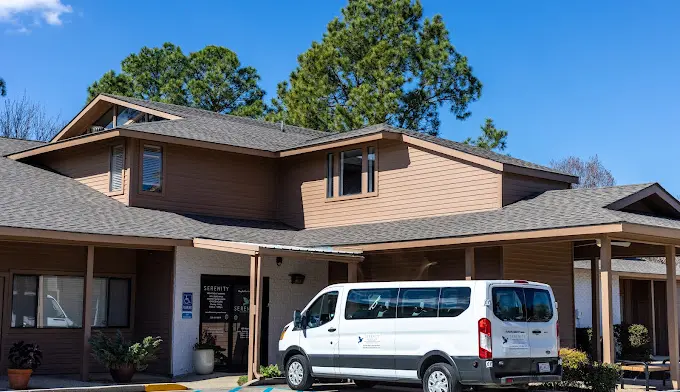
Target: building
{"points": [[166, 220], [638, 296]]}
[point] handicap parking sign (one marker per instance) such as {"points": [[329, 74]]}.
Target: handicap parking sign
{"points": [[187, 302]]}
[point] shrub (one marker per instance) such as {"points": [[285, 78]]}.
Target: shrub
{"points": [[632, 342], [24, 356], [602, 377], [574, 363], [117, 352], [208, 341], [242, 380], [270, 371]]}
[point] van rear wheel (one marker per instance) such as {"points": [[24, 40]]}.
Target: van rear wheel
{"points": [[440, 377], [298, 375]]}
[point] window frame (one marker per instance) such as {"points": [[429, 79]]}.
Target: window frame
{"points": [[140, 187], [322, 298], [400, 297], [337, 177], [330, 175], [9, 283], [108, 301], [394, 306], [122, 171]]}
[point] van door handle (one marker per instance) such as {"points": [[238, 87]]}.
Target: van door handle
{"points": [[332, 329], [536, 331]]}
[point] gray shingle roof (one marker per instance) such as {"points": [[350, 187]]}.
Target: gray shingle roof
{"points": [[9, 146], [204, 125], [34, 198]]}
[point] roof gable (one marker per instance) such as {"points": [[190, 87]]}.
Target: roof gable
{"points": [[654, 200]]}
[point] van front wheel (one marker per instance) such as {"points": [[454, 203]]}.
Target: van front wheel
{"points": [[440, 377], [298, 375]]}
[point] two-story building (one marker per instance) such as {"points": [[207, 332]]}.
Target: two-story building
{"points": [[158, 219]]}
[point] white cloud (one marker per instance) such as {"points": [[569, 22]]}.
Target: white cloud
{"points": [[51, 11]]}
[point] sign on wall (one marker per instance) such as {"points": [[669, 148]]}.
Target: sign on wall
{"points": [[215, 299], [187, 305]]}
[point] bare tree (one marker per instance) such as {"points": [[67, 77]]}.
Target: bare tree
{"points": [[591, 172], [25, 119]]}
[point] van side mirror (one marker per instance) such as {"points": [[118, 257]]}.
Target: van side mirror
{"points": [[297, 319]]}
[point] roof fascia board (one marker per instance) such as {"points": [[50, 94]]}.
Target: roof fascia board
{"points": [[311, 255], [525, 171], [64, 237], [99, 98], [650, 234], [226, 246], [339, 143], [650, 190], [453, 153], [570, 233], [95, 137]]}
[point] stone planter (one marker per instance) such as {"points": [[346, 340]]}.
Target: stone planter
{"points": [[19, 378], [204, 361]]}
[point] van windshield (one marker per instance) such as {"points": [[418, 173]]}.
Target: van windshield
{"points": [[522, 304]]}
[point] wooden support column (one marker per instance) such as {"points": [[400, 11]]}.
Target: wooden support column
{"points": [[87, 313], [255, 313], [608, 345], [672, 314], [595, 309], [653, 311], [352, 272], [469, 263]]}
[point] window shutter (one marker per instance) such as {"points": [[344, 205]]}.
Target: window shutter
{"points": [[152, 169], [116, 178]]}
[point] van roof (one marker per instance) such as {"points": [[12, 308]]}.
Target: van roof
{"points": [[431, 283]]}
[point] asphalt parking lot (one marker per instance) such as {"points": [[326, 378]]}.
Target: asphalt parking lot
{"points": [[319, 387]]}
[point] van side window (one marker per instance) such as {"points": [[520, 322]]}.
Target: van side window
{"points": [[453, 301], [322, 310], [508, 303], [539, 305], [418, 302], [367, 304]]}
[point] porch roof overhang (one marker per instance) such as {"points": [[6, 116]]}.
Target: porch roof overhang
{"points": [[320, 253]]}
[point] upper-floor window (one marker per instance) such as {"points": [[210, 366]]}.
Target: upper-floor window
{"points": [[152, 169], [116, 166], [356, 169]]}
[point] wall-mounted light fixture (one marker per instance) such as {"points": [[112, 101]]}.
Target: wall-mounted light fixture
{"points": [[297, 278], [279, 261]]}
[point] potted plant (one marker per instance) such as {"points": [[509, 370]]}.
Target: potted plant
{"points": [[24, 358], [122, 357], [206, 351]]}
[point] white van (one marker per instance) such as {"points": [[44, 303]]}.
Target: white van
{"points": [[443, 334]]}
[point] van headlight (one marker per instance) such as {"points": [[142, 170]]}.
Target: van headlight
{"points": [[283, 332]]}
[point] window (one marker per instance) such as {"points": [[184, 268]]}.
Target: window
{"points": [[111, 302], [539, 305], [508, 303], [418, 302], [322, 310], [453, 301], [127, 116], [116, 169], [371, 169], [329, 175], [104, 122], [350, 172], [369, 304], [152, 169], [47, 301]]}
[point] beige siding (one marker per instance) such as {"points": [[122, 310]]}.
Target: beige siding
{"points": [[517, 187], [210, 182], [88, 164], [446, 264], [411, 183], [550, 263]]}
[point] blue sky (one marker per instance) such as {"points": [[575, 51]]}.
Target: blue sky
{"points": [[564, 78]]}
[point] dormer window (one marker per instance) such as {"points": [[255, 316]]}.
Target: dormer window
{"points": [[351, 173], [152, 169]]}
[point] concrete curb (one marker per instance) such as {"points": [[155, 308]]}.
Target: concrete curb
{"points": [[120, 388]]}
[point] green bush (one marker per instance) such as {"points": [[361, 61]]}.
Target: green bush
{"points": [[632, 342], [242, 380], [602, 377], [270, 371], [117, 352]]}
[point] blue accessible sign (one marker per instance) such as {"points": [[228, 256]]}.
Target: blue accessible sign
{"points": [[187, 302]]}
